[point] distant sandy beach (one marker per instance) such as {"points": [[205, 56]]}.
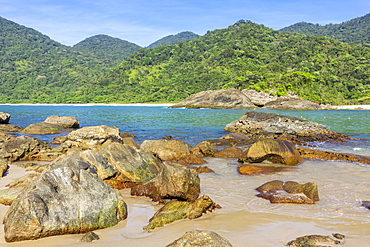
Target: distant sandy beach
{"points": [[351, 107], [96, 104]]}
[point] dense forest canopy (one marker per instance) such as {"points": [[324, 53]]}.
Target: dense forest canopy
{"points": [[244, 55], [172, 39], [354, 31], [36, 69]]}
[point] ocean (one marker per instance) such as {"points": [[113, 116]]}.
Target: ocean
{"points": [[244, 219]]}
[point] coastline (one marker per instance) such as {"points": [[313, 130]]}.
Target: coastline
{"points": [[351, 107]]}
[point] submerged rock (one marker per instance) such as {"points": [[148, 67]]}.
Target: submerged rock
{"points": [[317, 240], [9, 128], [224, 98], [260, 125], [197, 238], [250, 170], [273, 150], [176, 210], [173, 182], [69, 198], [307, 153], [66, 122]]}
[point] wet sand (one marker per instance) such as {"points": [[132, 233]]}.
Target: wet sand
{"points": [[244, 219]]}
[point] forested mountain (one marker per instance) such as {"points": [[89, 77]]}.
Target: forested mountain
{"points": [[354, 31], [244, 55], [34, 68], [172, 39], [106, 47]]}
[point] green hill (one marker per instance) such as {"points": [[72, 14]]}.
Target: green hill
{"points": [[172, 39], [34, 68], [354, 31], [244, 55], [106, 47]]}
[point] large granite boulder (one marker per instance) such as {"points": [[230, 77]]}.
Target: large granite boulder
{"points": [[177, 210], [134, 165], [174, 181], [273, 150], [66, 122], [44, 129], [22, 148], [224, 99], [197, 238], [69, 198], [259, 98], [166, 150], [259, 125], [292, 104], [4, 118], [8, 195]]}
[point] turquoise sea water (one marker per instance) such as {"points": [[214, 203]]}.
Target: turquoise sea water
{"points": [[189, 125]]}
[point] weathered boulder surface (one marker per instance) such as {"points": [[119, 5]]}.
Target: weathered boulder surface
{"points": [[89, 237], [292, 104], [251, 170], [134, 165], [4, 118], [308, 153], [9, 128], [204, 148], [197, 238], [274, 150], [231, 152], [317, 240], [69, 198], [259, 98], [22, 148], [174, 181], [176, 210], [259, 125], [66, 122], [289, 192], [166, 150], [4, 165], [7, 196], [44, 129], [22, 181], [224, 98]]}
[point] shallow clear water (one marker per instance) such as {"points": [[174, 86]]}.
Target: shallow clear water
{"points": [[244, 219]]}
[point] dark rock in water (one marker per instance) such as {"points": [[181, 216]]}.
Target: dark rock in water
{"points": [[44, 129], [260, 125], [173, 182], [273, 150], [292, 104], [317, 240], [22, 148], [231, 152], [366, 204], [9, 128], [289, 192], [69, 198], [251, 170], [197, 238], [307, 153], [223, 99], [89, 237], [66, 122], [176, 210], [166, 150], [4, 118]]}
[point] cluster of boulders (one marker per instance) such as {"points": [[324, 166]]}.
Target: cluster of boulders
{"points": [[246, 99], [77, 189]]}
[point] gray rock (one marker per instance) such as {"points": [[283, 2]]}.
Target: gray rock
{"points": [[292, 104], [44, 129], [89, 237], [69, 198], [9, 128], [7, 196], [198, 238], [66, 122], [259, 98], [4, 118], [96, 159], [224, 98]]}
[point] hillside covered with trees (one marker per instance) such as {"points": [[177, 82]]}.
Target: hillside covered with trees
{"points": [[244, 55], [354, 31], [172, 39]]}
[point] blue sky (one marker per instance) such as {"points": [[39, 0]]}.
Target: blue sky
{"points": [[145, 21]]}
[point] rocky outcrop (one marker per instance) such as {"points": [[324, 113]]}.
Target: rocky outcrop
{"points": [[9, 128], [197, 238], [259, 125], [308, 153], [259, 98], [173, 182], [166, 150], [176, 210], [66, 122], [289, 192], [69, 198], [4, 118], [44, 129], [317, 240], [273, 150], [224, 99], [22, 148], [292, 104]]}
